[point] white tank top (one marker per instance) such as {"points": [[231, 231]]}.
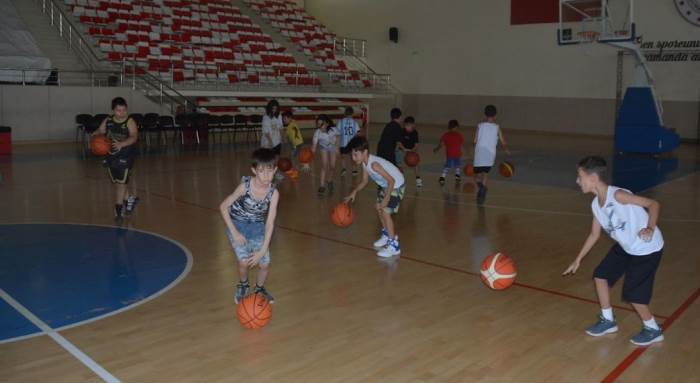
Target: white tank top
{"points": [[393, 171], [486, 141], [325, 140], [623, 223]]}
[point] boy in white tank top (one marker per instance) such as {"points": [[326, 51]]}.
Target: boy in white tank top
{"points": [[630, 220], [391, 190], [486, 138]]}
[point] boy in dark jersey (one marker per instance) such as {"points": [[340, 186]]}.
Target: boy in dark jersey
{"points": [[123, 132], [408, 143]]}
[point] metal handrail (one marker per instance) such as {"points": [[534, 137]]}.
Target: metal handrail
{"points": [[69, 32], [343, 45]]}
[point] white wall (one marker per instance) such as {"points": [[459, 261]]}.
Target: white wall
{"points": [[47, 113]]}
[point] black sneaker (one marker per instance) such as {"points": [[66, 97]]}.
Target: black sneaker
{"points": [[458, 178], [354, 173], [131, 204], [342, 172], [321, 191], [118, 211], [261, 290], [242, 289], [442, 180]]}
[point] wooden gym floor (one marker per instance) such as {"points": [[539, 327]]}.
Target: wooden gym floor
{"points": [[344, 315]]}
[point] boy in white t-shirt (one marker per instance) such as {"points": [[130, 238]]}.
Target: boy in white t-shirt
{"points": [[630, 221], [391, 185], [486, 138]]}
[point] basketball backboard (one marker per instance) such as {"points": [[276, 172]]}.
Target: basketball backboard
{"points": [[584, 21]]}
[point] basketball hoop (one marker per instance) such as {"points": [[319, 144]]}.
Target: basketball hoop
{"points": [[588, 36]]}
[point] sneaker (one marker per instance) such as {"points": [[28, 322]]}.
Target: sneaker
{"points": [[321, 191], [354, 173], [647, 336], [342, 172], [458, 178], [242, 289], [442, 180], [118, 211], [131, 204], [261, 290], [382, 241], [602, 327], [419, 182], [392, 248], [330, 186]]}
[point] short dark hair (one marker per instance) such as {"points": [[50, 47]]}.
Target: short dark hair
{"points": [[349, 111], [490, 110], [326, 119], [358, 144], [594, 165], [263, 157], [395, 113], [409, 120], [118, 101], [452, 124]]}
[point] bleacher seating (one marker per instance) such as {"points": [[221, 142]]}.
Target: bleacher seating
{"points": [[189, 40]]}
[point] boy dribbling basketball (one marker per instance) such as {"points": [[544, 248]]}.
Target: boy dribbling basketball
{"points": [[486, 138], [630, 220], [392, 186], [249, 213]]}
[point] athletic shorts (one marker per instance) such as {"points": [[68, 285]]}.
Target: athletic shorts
{"points": [[254, 234], [482, 169], [639, 272], [394, 199], [119, 175], [453, 163]]}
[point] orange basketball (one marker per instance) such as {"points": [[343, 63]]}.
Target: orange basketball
{"points": [[284, 164], [292, 173], [469, 170], [254, 311], [412, 159], [100, 145], [306, 155], [506, 169], [498, 271], [342, 215]]}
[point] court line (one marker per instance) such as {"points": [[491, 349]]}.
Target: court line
{"points": [[632, 357], [176, 281], [63, 342], [416, 260]]}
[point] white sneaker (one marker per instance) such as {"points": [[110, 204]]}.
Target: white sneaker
{"points": [[392, 248], [419, 182], [382, 241]]}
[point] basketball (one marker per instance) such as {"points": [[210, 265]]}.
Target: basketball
{"points": [[412, 159], [469, 170], [306, 155], [284, 164], [292, 173], [498, 271], [100, 145], [254, 311], [342, 215], [506, 169]]}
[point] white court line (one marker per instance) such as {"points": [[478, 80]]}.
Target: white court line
{"points": [[63, 342], [185, 272]]}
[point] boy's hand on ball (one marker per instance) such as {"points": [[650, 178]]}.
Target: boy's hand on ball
{"points": [[571, 270], [646, 234], [350, 198]]}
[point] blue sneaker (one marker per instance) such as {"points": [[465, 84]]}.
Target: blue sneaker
{"points": [[602, 327], [242, 290], [647, 336]]}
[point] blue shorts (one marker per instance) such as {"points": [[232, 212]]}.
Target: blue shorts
{"points": [[453, 163], [254, 234]]}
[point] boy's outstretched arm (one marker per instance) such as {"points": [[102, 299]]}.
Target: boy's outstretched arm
{"points": [[360, 186], [503, 141], [590, 241]]}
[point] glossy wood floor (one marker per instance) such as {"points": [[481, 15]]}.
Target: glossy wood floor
{"points": [[342, 314]]}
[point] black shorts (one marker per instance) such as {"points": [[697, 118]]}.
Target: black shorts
{"points": [[119, 175], [482, 169], [344, 150], [639, 272]]}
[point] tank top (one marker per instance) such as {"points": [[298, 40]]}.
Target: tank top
{"points": [[393, 171], [247, 209], [326, 140], [623, 223], [486, 141], [118, 132]]}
